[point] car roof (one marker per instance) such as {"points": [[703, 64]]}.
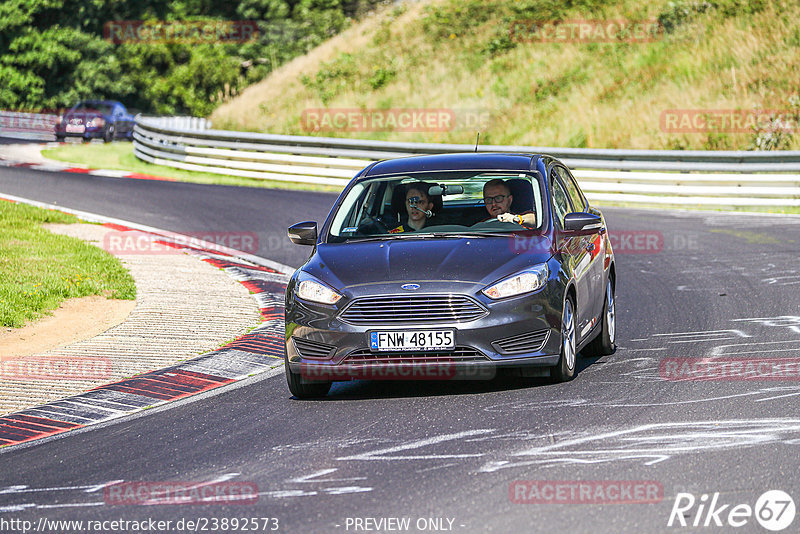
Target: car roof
{"points": [[468, 161], [111, 102]]}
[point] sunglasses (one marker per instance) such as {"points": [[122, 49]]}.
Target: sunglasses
{"points": [[497, 199], [413, 200]]}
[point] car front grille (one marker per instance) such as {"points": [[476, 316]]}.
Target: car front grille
{"points": [[393, 310], [312, 349], [528, 342], [459, 354]]}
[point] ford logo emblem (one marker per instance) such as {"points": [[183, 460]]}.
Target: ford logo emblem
{"points": [[410, 287]]}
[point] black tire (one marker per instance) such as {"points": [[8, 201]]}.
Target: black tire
{"points": [[564, 370], [108, 136], [302, 389], [606, 341]]}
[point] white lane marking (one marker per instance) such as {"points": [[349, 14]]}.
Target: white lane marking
{"points": [[16, 507], [792, 322], [26, 489], [69, 505], [778, 397], [703, 335], [281, 494], [346, 490], [669, 439], [98, 487], [381, 454], [719, 350], [307, 478], [110, 173], [774, 280]]}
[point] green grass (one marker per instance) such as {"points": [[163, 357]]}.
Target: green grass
{"points": [[39, 269], [119, 156]]}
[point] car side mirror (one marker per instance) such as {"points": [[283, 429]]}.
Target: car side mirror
{"points": [[304, 233], [582, 223]]}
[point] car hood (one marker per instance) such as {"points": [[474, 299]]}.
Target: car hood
{"points": [[479, 260]]}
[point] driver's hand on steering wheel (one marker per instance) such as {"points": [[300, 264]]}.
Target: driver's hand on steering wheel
{"points": [[508, 217]]}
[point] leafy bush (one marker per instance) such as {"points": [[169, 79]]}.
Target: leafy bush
{"points": [[456, 17], [381, 76], [682, 11], [52, 53], [332, 77]]}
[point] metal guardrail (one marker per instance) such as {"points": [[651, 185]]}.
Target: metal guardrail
{"points": [[739, 178]]}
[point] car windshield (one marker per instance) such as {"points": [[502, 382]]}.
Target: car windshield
{"points": [[439, 204], [98, 107]]}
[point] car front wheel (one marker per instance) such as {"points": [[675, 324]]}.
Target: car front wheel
{"points": [[109, 135], [564, 370], [303, 389]]}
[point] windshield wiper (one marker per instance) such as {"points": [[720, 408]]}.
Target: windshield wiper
{"points": [[383, 237], [470, 234]]}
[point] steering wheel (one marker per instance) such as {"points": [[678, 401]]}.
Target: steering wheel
{"points": [[372, 225]]}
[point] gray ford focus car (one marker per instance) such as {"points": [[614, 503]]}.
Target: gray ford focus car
{"points": [[451, 266]]}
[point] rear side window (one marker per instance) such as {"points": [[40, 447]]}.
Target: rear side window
{"points": [[572, 189], [560, 200]]}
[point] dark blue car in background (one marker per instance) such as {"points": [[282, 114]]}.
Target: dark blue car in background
{"points": [[98, 119]]}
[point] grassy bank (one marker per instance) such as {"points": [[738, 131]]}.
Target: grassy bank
{"points": [[39, 270], [462, 55], [119, 156]]}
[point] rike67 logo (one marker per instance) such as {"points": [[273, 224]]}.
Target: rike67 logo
{"points": [[774, 510]]}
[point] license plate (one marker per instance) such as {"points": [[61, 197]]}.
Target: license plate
{"points": [[76, 128], [412, 340]]}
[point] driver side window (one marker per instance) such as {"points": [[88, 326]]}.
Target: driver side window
{"points": [[560, 200]]}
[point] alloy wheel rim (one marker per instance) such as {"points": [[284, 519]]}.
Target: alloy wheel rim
{"points": [[569, 335], [611, 316]]}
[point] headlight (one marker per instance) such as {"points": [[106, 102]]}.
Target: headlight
{"points": [[317, 292], [524, 282]]}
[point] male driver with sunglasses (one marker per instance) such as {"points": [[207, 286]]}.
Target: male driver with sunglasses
{"points": [[418, 206], [498, 198]]}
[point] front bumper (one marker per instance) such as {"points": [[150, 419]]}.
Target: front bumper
{"points": [[89, 133], [321, 346]]}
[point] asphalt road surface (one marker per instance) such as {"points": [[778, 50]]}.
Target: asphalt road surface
{"points": [[455, 456]]}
